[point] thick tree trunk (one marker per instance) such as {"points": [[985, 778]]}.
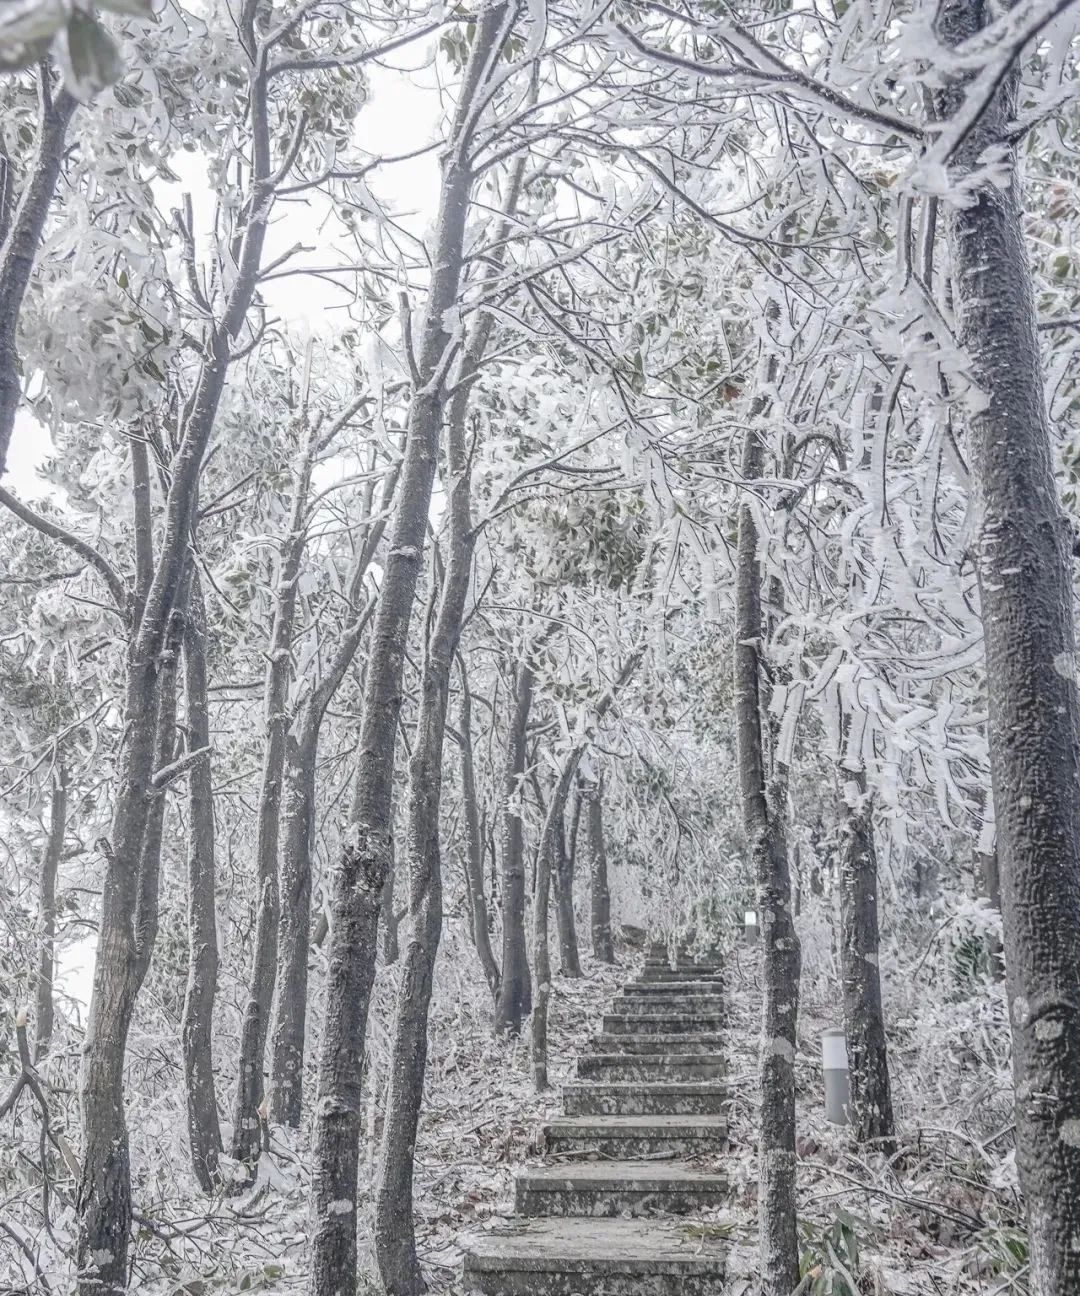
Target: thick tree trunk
{"points": [[20, 245], [474, 849], [363, 868], [1023, 563], [563, 878], [50, 864], [249, 1108], [764, 816], [391, 945], [197, 1022], [599, 894], [514, 1001], [864, 1024]]}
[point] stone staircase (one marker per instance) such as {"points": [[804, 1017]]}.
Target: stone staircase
{"points": [[605, 1216]]}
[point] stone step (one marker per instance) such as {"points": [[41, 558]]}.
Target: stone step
{"points": [[706, 1042], [613, 1188], [644, 1098], [628, 1138], [635, 1023], [680, 974], [651, 1066], [617, 1257], [701, 986], [668, 1005]]}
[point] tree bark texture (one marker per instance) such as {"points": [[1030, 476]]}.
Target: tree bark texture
{"points": [[395, 1237], [864, 1023], [599, 894], [514, 1001], [764, 817], [50, 864], [474, 849], [563, 878], [364, 864], [197, 1021], [1023, 561], [249, 1108]]}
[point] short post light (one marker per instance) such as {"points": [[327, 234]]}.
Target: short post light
{"points": [[750, 927], [837, 1082]]}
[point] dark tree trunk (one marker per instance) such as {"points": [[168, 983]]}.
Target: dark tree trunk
{"points": [[514, 1001], [599, 895], [563, 878], [391, 947], [1023, 564], [474, 849], [395, 1237], [764, 797], [197, 1022], [21, 242], [249, 1108], [864, 1024], [297, 835], [50, 864], [365, 863]]}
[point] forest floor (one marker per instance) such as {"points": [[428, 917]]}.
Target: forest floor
{"points": [[938, 1219]]}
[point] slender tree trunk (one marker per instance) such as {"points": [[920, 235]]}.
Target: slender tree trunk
{"points": [[1023, 563], [20, 245], [864, 1023], [764, 816], [50, 864], [552, 844], [297, 834], [290, 1004], [103, 1203], [563, 878], [599, 895], [250, 1109], [365, 862], [197, 1022], [474, 850], [514, 1001], [395, 1237]]}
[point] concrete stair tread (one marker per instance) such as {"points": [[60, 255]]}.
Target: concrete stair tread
{"points": [[648, 1086], [635, 1124], [645, 1059], [658, 1043], [614, 1175], [697, 987], [632, 1246]]}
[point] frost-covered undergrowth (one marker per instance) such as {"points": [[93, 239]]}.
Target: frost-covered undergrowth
{"points": [[941, 1216]]}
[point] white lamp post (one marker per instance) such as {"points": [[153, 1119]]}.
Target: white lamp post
{"points": [[837, 1082]]}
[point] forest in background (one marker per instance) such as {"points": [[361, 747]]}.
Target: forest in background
{"points": [[682, 523]]}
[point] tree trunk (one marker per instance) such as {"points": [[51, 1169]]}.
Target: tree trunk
{"points": [[552, 844], [1023, 564], [365, 862], [514, 1001], [563, 877], [298, 827], [474, 850], [864, 1024], [50, 864], [197, 1022], [764, 816], [19, 250], [395, 1237], [103, 1203], [391, 946], [599, 895], [249, 1108]]}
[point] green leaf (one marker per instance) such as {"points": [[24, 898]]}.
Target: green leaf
{"points": [[88, 57]]}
